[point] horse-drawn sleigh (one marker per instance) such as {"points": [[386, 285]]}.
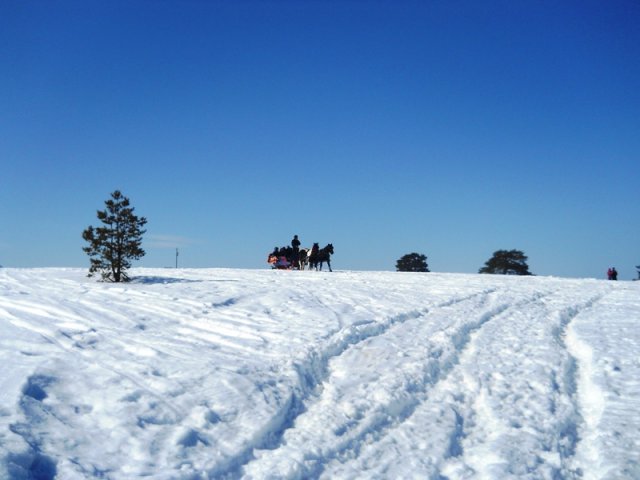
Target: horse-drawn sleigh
{"points": [[286, 258]]}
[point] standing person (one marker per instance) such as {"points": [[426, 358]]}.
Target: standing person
{"points": [[295, 244], [610, 274], [614, 274]]}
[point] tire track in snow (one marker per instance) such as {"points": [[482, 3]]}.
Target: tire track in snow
{"points": [[315, 375]]}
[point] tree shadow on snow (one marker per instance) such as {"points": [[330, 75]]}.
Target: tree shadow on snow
{"points": [[158, 280], [161, 280]]}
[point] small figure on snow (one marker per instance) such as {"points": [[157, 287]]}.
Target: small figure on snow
{"points": [[295, 243], [295, 254], [612, 274]]}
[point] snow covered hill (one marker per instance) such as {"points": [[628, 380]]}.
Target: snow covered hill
{"points": [[220, 373]]}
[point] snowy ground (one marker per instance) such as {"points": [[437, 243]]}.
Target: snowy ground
{"points": [[190, 374]]}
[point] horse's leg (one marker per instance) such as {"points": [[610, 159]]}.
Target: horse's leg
{"points": [[329, 265]]}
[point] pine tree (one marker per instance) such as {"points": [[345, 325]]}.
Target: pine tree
{"points": [[507, 262], [113, 246], [412, 262]]}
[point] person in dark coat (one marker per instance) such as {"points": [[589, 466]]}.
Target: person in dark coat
{"points": [[295, 245]]}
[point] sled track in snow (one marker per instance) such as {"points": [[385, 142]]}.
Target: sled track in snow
{"points": [[569, 424], [313, 374], [436, 370], [578, 362]]}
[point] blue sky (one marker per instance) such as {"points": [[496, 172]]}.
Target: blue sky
{"points": [[448, 128]]}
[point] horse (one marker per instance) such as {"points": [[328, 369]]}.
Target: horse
{"points": [[320, 255], [303, 257], [312, 254]]}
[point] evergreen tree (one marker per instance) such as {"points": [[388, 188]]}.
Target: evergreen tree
{"points": [[113, 246], [507, 262], [412, 262]]}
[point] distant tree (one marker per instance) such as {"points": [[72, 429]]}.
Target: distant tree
{"points": [[113, 246], [507, 262], [412, 262]]}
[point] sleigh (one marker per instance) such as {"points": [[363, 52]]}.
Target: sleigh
{"points": [[279, 262], [305, 258]]}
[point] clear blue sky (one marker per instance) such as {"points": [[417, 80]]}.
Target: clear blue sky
{"points": [[448, 128]]}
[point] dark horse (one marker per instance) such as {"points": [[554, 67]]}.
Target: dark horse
{"points": [[320, 255]]}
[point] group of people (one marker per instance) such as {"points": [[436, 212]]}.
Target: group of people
{"points": [[286, 257], [612, 274]]}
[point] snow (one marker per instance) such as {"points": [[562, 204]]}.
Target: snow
{"points": [[256, 374]]}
